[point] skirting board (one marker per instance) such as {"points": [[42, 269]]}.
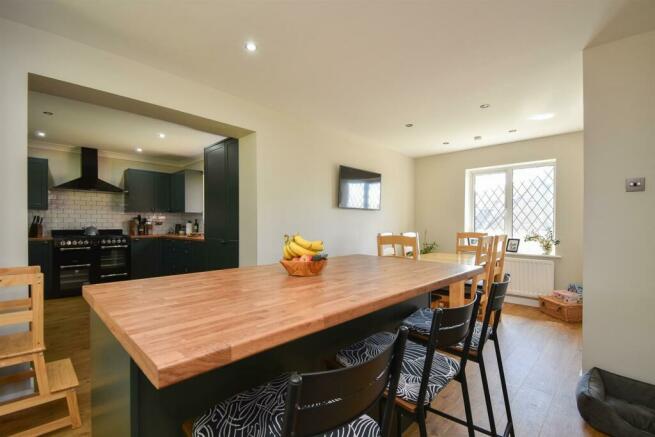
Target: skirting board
{"points": [[522, 300]]}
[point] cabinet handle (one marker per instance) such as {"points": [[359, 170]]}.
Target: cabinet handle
{"points": [[74, 266], [74, 248], [113, 275]]}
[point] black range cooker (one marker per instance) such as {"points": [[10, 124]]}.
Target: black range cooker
{"points": [[81, 259]]}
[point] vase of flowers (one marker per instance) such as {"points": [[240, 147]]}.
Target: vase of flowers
{"points": [[428, 247], [547, 241]]}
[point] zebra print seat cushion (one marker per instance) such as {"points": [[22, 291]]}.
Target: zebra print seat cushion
{"points": [[444, 368], [259, 412], [420, 322]]}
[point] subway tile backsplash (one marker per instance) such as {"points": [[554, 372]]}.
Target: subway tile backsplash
{"points": [[78, 209]]}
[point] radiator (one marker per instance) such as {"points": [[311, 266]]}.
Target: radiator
{"points": [[530, 277]]}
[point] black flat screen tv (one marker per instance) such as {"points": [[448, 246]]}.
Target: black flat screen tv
{"points": [[359, 189]]}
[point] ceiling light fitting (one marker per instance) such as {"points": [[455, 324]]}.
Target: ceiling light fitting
{"points": [[409, 125], [511, 131], [484, 106], [162, 135], [250, 46], [48, 113], [477, 137], [40, 133], [139, 149], [445, 143]]}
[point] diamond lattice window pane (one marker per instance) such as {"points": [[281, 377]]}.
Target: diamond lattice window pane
{"points": [[489, 203], [533, 197]]}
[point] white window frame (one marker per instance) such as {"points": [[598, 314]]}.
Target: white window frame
{"points": [[469, 209]]}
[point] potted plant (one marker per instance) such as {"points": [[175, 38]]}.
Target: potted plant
{"points": [[547, 241], [428, 247]]}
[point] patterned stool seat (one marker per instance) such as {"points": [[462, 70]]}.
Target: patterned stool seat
{"points": [[259, 412], [444, 368], [420, 323]]}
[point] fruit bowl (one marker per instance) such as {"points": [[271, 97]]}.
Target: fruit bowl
{"points": [[304, 268]]}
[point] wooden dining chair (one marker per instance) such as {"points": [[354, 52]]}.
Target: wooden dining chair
{"points": [[399, 243], [500, 250], [408, 249], [467, 242], [55, 380]]}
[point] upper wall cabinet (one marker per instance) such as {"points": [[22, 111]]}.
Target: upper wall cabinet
{"points": [[187, 191], [37, 183], [147, 191]]}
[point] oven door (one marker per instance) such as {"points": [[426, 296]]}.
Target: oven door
{"points": [[73, 269], [113, 263]]}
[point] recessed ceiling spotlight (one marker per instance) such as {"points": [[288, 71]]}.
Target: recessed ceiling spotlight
{"points": [[409, 125], [251, 46], [477, 137], [484, 106], [40, 133], [48, 113], [539, 117], [511, 131], [162, 135], [445, 143], [139, 149]]}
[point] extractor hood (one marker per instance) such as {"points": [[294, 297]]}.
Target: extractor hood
{"points": [[89, 180]]}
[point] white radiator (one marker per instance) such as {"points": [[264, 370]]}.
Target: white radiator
{"points": [[530, 277]]}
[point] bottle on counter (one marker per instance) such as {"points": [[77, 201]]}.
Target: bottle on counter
{"points": [[189, 228], [196, 227]]}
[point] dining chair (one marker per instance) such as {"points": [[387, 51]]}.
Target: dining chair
{"points": [[425, 372], [399, 243], [467, 242], [500, 251], [408, 249], [330, 403], [54, 380], [483, 331]]}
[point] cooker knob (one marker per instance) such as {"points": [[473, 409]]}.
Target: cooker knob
{"points": [[74, 242], [68, 242]]}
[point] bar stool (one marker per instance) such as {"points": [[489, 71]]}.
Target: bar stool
{"points": [[425, 372], [309, 404]]}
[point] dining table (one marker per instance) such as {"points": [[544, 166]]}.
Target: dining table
{"points": [[456, 290]]}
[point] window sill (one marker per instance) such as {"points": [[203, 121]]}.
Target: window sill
{"points": [[533, 255]]}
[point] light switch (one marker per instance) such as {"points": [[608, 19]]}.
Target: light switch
{"points": [[635, 184]]}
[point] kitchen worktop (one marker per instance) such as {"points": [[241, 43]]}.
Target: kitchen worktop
{"points": [[40, 238], [208, 320], [200, 237]]}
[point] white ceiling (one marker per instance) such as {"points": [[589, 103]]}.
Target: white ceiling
{"points": [[82, 124], [367, 67]]}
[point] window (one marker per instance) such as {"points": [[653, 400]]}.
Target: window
{"points": [[514, 200]]}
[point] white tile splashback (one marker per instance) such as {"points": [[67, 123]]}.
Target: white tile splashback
{"points": [[77, 209]]}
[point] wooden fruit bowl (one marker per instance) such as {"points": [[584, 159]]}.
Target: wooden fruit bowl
{"points": [[299, 268]]}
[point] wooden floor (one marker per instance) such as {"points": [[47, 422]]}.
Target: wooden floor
{"points": [[541, 355]]}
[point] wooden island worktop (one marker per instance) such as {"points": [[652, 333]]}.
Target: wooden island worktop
{"points": [[177, 327]]}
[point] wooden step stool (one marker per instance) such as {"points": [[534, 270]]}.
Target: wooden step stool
{"points": [[55, 380]]}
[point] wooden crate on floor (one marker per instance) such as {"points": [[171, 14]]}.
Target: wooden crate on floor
{"points": [[569, 312]]}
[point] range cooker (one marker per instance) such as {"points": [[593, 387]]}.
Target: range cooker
{"points": [[81, 259]]}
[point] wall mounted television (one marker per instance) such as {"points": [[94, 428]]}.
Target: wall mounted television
{"points": [[359, 189]]}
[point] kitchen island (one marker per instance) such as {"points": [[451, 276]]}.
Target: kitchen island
{"points": [[165, 349]]}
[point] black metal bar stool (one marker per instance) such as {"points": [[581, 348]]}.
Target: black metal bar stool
{"points": [[425, 372], [330, 404]]}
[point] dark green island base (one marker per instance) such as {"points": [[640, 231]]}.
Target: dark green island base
{"points": [[125, 403]]}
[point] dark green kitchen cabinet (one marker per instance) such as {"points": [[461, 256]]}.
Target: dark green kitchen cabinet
{"points": [[147, 191], [182, 256], [187, 192], [222, 204], [37, 183], [145, 257], [39, 253]]}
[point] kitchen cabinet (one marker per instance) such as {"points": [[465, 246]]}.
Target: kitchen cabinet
{"points": [[187, 191], [147, 191], [181, 256], [222, 204], [37, 183], [39, 253], [145, 256]]}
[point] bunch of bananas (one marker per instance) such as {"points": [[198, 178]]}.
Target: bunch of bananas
{"points": [[296, 246]]}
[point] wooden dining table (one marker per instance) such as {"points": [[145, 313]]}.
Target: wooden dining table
{"points": [[456, 290]]}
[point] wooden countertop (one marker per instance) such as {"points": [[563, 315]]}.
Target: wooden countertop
{"points": [[39, 238], [172, 237], [176, 327]]}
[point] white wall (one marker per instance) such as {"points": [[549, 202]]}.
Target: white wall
{"points": [[440, 193], [619, 91], [294, 180]]}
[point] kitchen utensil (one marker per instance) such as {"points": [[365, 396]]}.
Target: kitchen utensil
{"points": [[90, 231]]}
